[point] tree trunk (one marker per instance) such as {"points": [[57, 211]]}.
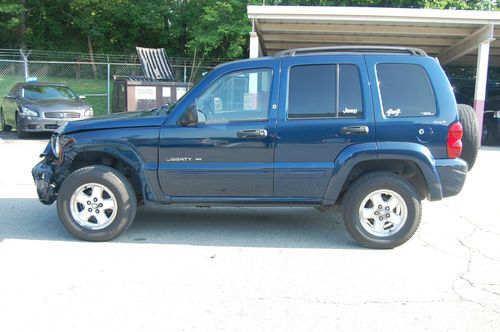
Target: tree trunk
{"points": [[91, 54], [22, 44]]}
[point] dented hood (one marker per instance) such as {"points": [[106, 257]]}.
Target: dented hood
{"points": [[117, 120]]}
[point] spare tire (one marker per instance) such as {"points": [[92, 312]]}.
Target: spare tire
{"points": [[471, 139]]}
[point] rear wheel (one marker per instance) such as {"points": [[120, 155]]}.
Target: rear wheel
{"points": [[96, 203], [381, 210], [487, 137], [471, 139]]}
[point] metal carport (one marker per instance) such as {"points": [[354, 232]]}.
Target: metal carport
{"points": [[453, 36]]}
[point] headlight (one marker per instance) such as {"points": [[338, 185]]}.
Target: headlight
{"points": [[56, 148], [496, 114], [57, 141], [27, 112], [88, 113]]}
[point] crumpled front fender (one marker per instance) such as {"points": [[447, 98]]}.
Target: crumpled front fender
{"points": [[43, 174]]}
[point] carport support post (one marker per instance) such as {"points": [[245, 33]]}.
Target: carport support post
{"points": [[481, 80], [109, 87], [255, 50]]}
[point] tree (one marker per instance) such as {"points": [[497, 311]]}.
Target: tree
{"points": [[221, 30], [209, 28], [11, 13]]}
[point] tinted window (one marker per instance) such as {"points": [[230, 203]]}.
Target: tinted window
{"points": [[324, 91], [405, 90], [312, 91], [350, 100], [237, 96]]}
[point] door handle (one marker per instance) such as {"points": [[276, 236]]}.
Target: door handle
{"points": [[355, 130], [252, 133]]}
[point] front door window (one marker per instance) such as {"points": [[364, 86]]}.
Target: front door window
{"points": [[237, 96]]}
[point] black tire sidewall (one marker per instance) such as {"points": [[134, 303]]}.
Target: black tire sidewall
{"points": [[116, 183], [360, 190], [2, 119], [20, 132], [471, 139]]}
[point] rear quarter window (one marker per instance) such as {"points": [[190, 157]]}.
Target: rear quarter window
{"points": [[405, 90]]}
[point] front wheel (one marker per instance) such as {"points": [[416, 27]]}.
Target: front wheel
{"points": [[96, 203], [5, 126], [381, 210], [20, 132]]}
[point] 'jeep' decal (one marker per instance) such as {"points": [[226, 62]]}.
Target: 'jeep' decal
{"points": [[393, 112], [350, 111]]}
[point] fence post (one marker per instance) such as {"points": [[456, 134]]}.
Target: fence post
{"points": [[25, 60], [108, 95], [185, 72]]}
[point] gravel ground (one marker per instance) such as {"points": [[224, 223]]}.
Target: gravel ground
{"points": [[247, 269]]}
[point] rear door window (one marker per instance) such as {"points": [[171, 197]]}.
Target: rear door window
{"points": [[405, 90], [324, 91]]}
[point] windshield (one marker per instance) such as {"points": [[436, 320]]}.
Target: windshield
{"points": [[44, 92]]}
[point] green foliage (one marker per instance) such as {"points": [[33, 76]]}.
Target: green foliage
{"points": [[10, 21], [221, 30], [209, 28], [439, 4]]}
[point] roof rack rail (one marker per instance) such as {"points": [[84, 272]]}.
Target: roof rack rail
{"points": [[391, 49]]}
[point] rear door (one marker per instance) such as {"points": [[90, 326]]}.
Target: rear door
{"points": [[325, 108]]}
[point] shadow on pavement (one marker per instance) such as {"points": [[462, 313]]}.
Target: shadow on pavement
{"points": [[495, 147], [26, 218], [12, 136]]}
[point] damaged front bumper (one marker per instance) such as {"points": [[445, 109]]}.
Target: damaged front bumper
{"points": [[43, 174]]}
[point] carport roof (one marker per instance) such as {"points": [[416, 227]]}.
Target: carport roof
{"points": [[451, 35]]}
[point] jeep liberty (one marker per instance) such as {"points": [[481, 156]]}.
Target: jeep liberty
{"points": [[374, 130]]}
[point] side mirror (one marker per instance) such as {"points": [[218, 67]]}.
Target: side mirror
{"points": [[189, 117], [82, 97], [10, 97]]}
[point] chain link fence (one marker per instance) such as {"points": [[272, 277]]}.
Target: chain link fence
{"points": [[92, 79]]}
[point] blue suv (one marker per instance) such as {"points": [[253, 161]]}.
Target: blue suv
{"points": [[374, 130]]}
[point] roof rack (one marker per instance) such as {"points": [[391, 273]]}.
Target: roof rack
{"points": [[373, 49]]}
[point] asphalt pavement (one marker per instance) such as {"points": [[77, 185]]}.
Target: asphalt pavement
{"points": [[247, 269]]}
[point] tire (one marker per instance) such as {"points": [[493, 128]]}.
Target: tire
{"points": [[471, 139], [2, 120], [5, 126], [487, 137], [114, 185], [20, 132], [385, 186]]}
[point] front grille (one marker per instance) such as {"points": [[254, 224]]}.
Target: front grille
{"points": [[62, 115]]}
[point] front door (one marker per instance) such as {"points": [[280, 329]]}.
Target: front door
{"points": [[228, 154]]}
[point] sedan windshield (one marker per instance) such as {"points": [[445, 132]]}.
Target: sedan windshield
{"points": [[44, 92]]}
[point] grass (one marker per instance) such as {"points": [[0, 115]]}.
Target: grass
{"points": [[80, 86]]}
